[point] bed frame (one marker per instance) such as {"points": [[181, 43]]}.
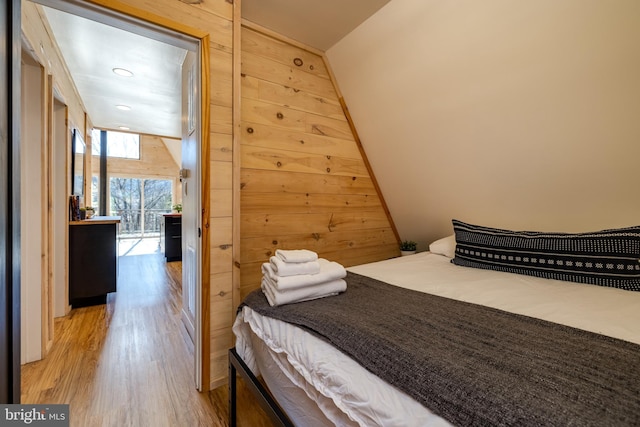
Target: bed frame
{"points": [[266, 401]]}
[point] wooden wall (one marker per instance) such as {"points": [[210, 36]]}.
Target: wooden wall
{"points": [[304, 182], [155, 160]]}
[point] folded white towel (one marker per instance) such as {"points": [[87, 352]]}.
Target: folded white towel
{"points": [[284, 269], [321, 290], [296, 255], [329, 270]]}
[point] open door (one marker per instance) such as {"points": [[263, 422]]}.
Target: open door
{"points": [[10, 70], [191, 217]]}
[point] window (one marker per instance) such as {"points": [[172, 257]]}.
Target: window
{"points": [[119, 144], [140, 204], [95, 193]]}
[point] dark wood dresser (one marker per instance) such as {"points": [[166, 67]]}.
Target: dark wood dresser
{"points": [[93, 260], [171, 236]]}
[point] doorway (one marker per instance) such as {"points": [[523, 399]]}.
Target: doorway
{"points": [[192, 44]]}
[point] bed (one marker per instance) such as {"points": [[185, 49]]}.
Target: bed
{"points": [[588, 374]]}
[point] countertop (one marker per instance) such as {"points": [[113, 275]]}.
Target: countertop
{"points": [[97, 220]]}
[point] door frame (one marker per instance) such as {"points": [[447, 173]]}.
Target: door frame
{"points": [[36, 316], [10, 72], [150, 25]]}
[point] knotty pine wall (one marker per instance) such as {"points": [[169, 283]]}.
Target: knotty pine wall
{"points": [[304, 182], [155, 160]]}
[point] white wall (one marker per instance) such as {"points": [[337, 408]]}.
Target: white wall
{"points": [[31, 212], [512, 114]]}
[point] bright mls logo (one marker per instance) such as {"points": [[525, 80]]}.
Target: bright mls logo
{"points": [[34, 415]]}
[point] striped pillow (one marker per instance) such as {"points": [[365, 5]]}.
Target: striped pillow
{"points": [[605, 258]]}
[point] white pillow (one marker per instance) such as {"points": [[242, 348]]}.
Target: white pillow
{"points": [[445, 246]]}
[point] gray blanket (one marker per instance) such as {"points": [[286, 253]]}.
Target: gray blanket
{"points": [[471, 364]]}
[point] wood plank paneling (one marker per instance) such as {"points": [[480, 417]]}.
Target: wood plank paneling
{"points": [[221, 147], [262, 90], [260, 135], [293, 161], [284, 53], [222, 305], [207, 19], [272, 115], [255, 225], [284, 116], [221, 284], [268, 181], [221, 203], [307, 202], [221, 175], [266, 69], [155, 161], [221, 65], [258, 249], [221, 232], [221, 119], [225, 340], [304, 180]]}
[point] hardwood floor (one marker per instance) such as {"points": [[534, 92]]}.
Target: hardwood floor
{"points": [[130, 362]]}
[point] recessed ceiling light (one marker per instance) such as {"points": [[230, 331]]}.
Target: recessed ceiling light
{"points": [[122, 72], [123, 128], [123, 107]]}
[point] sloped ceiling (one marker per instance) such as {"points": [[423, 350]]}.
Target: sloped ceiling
{"points": [[92, 50], [174, 146], [319, 24]]}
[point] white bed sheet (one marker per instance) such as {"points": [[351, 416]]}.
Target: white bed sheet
{"points": [[348, 394]]}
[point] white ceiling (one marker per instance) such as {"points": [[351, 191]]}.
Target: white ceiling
{"points": [[316, 23], [91, 50]]}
